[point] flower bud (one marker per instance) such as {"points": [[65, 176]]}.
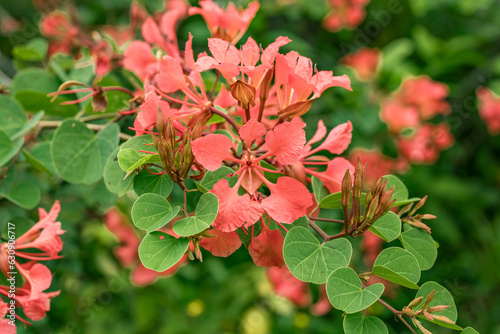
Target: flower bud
{"points": [[430, 298], [415, 302], [438, 308], [296, 109], [243, 93]]}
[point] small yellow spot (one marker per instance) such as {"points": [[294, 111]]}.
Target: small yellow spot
{"points": [[195, 308], [301, 320]]}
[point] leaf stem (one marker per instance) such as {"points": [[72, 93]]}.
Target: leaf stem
{"points": [[327, 220]]}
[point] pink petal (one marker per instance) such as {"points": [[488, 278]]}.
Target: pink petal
{"points": [[252, 130], [332, 177], [320, 134], [286, 285], [288, 201], [223, 244], [138, 57], [151, 32], [6, 328], [223, 51], [211, 150], [249, 53], [171, 76], [287, 141], [338, 139], [267, 249], [206, 63], [234, 210], [272, 49], [325, 79]]}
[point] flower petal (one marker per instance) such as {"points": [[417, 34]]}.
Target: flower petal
{"points": [[338, 139], [211, 150], [287, 141], [223, 244], [252, 130], [267, 248]]}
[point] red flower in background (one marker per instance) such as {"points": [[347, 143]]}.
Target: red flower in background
{"points": [[489, 109], [345, 14], [364, 61], [424, 145]]}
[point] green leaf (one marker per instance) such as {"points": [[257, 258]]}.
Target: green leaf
{"points": [[151, 212], [400, 190], [31, 86], [310, 261], [420, 243], [346, 293], [358, 324], [114, 176], [469, 330], [319, 189], [146, 182], [8, 149], [35, 163], [399, 266], [130, 160], [12, 115], [78, 155], [25, 194], [34, 50], [138, 144], [206, 212], [441, 297], [388, 227], [211, 178], [29, 125], [334, 201], [41, 152], [159, 251], [408, 201]]}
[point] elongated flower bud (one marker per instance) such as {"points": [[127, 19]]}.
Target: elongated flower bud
{"points": [[243, 93]]}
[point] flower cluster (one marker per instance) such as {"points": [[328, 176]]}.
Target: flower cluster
{"points": [[489, 109], [40, 243], [346, 14]]}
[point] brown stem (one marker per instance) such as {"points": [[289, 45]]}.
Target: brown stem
{"points": [[121, 89], [327, 220], [227, 118], [319, 230]]}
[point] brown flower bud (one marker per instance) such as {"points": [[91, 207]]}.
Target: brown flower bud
{"points": [[437, 308], [430, 298], [415, 302], [296, 109], [243, 93]]}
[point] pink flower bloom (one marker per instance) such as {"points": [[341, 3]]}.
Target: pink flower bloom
{"points": [[398, 115], [63, 34], [230, 24], [489, 109], [139, 58], [364, 61], [323, 305], [424, 145], [6, 328], [286, 285]]}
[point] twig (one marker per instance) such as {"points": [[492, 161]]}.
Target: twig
{"points": [[327, 220], [319, 230], [226, 117]]}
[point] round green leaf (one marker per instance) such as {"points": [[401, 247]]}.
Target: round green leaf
{"points": [[114, 176], [310, 261], [146, 182], [388, 227], [211, 178], [358, 324], [25, 194], [151, 212], [399, 266], [334, 201], [420, 243], [206, 212], [12, 115], [78, 155], [346, 293], [139, 143], [400, 190], [441, 297], [41, 152], [159, 251], [469, 330]]}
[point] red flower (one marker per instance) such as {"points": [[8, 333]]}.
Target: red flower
{"points": [[364, 61], [424, 145], [489, 109], [286, 285]]}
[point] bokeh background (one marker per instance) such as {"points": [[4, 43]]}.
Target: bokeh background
{"points": [[454, 42]]}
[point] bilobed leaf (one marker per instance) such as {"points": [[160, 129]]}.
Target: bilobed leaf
{"points": [[206, 212], [469, 330], [319, 189], [41, 152], [358, 324], [25, 194], [151, 212], [399, 266], [334, 201], [138, 144], [159, 251], [8, 148], [129, 156], [146, 182], [114, 176], [346, 293], [441, 297], [78, 155], [310, 261], [388, 227], [420, 243], [400, 190], [12, 115]]}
